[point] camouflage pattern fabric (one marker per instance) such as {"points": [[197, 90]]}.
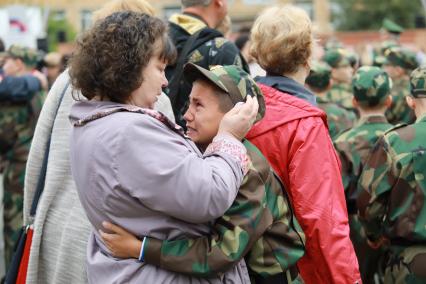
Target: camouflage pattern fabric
{"points": [[400, 56], [28, 55], [319, 76], [392, 199], [418, 82], [338, 118], [17, 123], [257, 226], [399, 112], [353, 147], [231, 79], [337, 57], [371, 86], [341, 94]]}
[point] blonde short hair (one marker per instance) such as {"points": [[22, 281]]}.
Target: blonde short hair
{"points": [[281, 39], [140, 6]]}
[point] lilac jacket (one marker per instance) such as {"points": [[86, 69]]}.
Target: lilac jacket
{"points": [[134, 171]]}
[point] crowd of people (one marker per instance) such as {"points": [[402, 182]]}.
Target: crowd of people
{"points": [[177, 155]]}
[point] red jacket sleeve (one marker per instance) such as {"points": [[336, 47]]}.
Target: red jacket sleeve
{"points": [[317, 193]]}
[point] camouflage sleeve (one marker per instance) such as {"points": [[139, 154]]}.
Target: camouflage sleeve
{"points": [[19, 89], [345, 165], [231, 238], [376, 181]]}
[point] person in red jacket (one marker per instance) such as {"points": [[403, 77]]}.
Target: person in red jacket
{"points": [[294, 137]]}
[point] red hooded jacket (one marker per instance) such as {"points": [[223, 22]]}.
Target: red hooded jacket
{"points": [[293, 136]]}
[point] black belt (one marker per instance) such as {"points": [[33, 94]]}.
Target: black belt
{"points": [[280, 278], [352, 208]]}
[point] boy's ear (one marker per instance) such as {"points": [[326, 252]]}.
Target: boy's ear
{"points": [[411, 102], [388, 101], [355, 102]]}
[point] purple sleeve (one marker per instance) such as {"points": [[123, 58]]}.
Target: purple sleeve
{"points": [[166, 174]]}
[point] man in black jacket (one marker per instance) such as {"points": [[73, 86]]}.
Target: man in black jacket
{"points": [[193, 32]]}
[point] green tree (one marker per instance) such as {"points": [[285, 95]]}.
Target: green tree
{"points": [[59, 29], [369, 14]]}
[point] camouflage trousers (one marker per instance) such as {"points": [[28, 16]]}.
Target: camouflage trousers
{"points": [[407, 267], [13, 201], [369, 259]]}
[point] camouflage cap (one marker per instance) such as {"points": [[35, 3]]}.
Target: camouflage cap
{"points": [[379, 60], [231, 79], [387, 44], [28, 55], [418, 82], [337, 57], [392, 27], [319, 76], [371, 85], [400, 56]]}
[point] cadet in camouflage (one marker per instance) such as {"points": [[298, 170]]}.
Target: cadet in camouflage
{"points": [[318, 81], [341, 74], [17, 124], [259, 226], [371, 88], [392, 202], [399, 63]]}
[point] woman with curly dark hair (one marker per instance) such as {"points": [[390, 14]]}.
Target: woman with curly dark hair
{"points": [[134, 167]]}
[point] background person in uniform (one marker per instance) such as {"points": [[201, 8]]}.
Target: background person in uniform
{"points": [[391, 31], [260, 222], [54, 66], [11, 88], [392, 202], [371, 88], [18, 118], [199, 16], [319, 81], [341, 76], [399, 63]]}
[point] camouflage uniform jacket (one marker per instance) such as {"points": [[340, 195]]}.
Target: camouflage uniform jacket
{"points": [[217, 51], [341, 94], [338, 118], [13, 91], [258, 226], [353, 147], [17, 124], [399, 112], [392, 203]]}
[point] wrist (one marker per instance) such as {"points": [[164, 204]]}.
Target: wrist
{"points": [[140, 253]]}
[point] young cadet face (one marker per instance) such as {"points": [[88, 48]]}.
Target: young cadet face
{"points": [[203, 115], [342, 74]]}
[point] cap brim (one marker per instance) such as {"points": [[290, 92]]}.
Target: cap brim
{"points": [[193, 72]]}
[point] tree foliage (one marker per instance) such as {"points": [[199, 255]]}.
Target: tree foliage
{"points": [[59, 30], [369, 14]]}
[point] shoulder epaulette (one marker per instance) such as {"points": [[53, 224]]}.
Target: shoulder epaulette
{"points": [[399, 125]]}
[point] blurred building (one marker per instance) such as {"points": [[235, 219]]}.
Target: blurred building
{"points": [[242, 12]]}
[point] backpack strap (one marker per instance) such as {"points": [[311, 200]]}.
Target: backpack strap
{"points": [[194, 41]]}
